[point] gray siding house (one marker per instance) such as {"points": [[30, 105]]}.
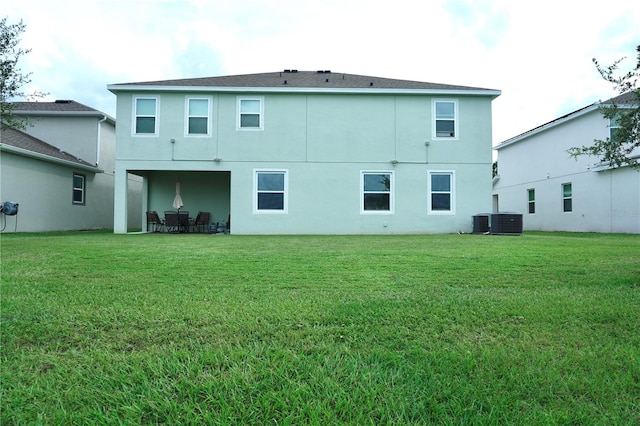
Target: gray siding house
{"points": [[307, 152], [555, 192], [60, 169]]}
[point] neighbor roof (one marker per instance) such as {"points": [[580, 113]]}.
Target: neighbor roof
{"points": [[58, 107], [294, 80], [19, 142], [626, 99]]}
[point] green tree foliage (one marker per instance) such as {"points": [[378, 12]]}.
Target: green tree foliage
{"points": [[623, 111], [12, 79]]}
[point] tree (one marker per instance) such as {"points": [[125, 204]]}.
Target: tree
{"points": [[623, 112], [12, 78]]}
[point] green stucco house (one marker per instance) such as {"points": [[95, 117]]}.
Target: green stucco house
{"points": [[307, 152]]}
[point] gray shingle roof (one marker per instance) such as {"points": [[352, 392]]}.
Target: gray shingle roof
{"points": [[22, 140], [57, 106], [303, 79], [628, 98]]}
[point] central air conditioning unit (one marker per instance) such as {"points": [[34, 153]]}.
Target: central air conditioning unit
{"points": [[506, 224], [481, 223]]}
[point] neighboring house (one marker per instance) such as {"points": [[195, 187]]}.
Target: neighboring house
{"points": [[308, 152], [60, 169], [555, 192]]}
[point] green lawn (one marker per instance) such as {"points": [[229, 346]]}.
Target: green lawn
{"points": [[543, 328]]}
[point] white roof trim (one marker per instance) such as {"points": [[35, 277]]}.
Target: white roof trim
{"points": [[48, 158], [63, 113], [374, 91], [547, 126]]}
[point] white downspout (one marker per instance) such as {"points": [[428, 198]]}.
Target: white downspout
{"points": [[98, 141]]}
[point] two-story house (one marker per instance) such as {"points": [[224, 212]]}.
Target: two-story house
{"points": [[554, 192], [60, 169], [308, 152]]}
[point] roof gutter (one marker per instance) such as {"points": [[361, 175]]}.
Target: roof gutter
{"points": [[65, 114], [104, 118], [336, 90], [48, 158]]}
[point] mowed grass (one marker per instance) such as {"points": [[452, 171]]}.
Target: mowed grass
{"points": [[97, 328]]}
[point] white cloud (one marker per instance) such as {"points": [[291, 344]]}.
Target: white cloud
{"points": [[538, 53]]}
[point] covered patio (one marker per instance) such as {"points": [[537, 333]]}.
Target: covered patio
{"points": [[185, 201]]}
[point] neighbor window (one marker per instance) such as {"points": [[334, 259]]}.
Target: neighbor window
{"points": [[567, 198], [613, 127], [440, 187], [532, 200], [616, 130], [198, 112], [145, 111], [270, 191], [250, 113], [445, 119], [377, 192], [78, 188]]}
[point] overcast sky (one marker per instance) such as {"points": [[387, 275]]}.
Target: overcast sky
{"points": [[538, 53]]}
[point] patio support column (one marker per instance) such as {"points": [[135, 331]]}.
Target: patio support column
{"points": [[120, 202], [145, 203]]}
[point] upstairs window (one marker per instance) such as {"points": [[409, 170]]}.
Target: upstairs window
{"points": [[445, 119], [270, 191], [532, 200], [614, 127], [145, 112], [377, 192], [79, 189], [440, 187], [567, 198], [250, 113], [198, 113]]}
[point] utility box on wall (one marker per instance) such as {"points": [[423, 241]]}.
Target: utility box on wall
{"points": [[506, 224]]}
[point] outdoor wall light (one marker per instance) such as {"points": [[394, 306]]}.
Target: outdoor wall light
{"points": [[394, 162], [217, 160], [173, 140]]}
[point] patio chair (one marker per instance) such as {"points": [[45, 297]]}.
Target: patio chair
{"points": [[171, 222], [183, 218], [201, 222], [154, 223]]}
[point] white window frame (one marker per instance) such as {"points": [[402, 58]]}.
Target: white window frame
{"points": [[256, 192], [613, 126], [564, 198], [391, 192], [530, 202], [451, 192], [434, 118], [239, 113], [187, 116], [135, 116], [82, 190]]}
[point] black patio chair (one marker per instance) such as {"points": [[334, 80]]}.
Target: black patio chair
{"points": [[201, 222], [154, 223], [171, 222], [183, 218]]}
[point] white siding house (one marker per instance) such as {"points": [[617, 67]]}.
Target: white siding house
{"points": [[554, 192], [308, 152], [60, 169]]}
